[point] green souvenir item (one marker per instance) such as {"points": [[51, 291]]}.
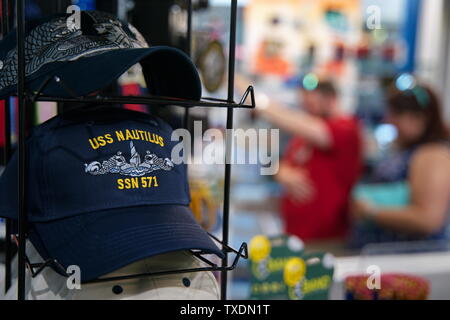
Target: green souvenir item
{"points": [[280, 270]]}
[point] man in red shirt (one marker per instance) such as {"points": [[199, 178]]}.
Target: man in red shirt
{"points": [[320, 165]]}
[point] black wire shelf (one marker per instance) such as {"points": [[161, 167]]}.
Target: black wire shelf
{"points": [[155, 100], [36, 268]]}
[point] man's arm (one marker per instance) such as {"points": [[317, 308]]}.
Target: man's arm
{"points": [[310, 128]]}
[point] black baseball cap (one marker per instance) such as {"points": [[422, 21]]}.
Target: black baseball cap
{"points": [[103, 191], [89, 58]]}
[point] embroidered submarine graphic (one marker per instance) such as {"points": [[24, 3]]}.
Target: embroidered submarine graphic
{"points": [[135, 168]]}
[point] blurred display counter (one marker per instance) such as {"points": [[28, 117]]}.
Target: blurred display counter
{"points": [[254, 211]]}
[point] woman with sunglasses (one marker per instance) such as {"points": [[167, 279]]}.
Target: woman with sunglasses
{"points": [[418, 166]]}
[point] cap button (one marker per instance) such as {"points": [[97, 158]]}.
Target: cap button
{"points": [[117, 289], [186, 282]]}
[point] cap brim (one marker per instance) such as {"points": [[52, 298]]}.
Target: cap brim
{"points": [[168, 72], [102, 242]]}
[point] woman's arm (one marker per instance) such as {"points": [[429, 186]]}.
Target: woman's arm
{"points": [[430, 194]]}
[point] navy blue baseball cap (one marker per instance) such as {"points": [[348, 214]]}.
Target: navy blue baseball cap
{"points": [[89, 58], [103, 191]]}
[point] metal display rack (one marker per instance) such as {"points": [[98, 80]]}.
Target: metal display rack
{"points": [[7, 155], [26, 98]]}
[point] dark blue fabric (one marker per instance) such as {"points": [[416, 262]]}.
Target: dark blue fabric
{"points": [[105, 241], [366, 232], [393, 167]]}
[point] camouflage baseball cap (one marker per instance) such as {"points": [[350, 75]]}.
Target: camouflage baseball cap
{"points": [[81, 60]]}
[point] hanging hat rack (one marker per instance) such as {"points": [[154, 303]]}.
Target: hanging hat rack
{"points": [[36, 268], [25, 98], [204, 102], [159, 100]]}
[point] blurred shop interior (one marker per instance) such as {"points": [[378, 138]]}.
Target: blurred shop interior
{"points": [[362, 47]]}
